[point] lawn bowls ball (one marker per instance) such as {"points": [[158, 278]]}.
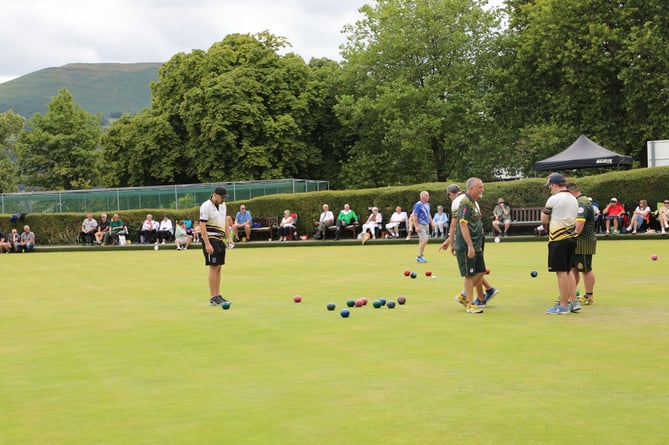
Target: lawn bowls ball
{"points": [[358, 303], [407, 273], [225, 305], [382, 301], [428, 273], [390, 304], [401, 299], [376, 304], [414, 274], [345, 313], [653, 257], [534, 274], [331, 306], [350, 302], [297, 298]]}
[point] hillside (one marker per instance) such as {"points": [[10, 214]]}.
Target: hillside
{"points": [[106, 88]]}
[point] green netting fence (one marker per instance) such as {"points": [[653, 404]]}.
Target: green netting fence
{"points": [[157, 197]]}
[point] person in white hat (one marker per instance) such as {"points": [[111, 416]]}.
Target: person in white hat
{"points": [[613, 212]]}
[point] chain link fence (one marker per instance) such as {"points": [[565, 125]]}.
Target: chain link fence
{"points": [[157, 197]]}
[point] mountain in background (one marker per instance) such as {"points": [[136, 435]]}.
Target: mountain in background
{"points": [[110, 89]]}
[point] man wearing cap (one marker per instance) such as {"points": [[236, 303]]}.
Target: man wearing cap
{"points": [[501, 214], [560, 214], [613, 212], [214, 217]]}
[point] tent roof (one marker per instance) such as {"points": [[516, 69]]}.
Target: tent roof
{"points": [[583, 153]]}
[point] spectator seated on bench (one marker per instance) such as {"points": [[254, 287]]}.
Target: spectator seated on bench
{"points": [[293, 236], [439, 223], [347, 219], [324, 221], [501, 216], [373, 225], [149, 230], [663, 216], [117, 231], [286, 226], [397, 223], [195, 231], [640, 218], [88, 228], [165, 230], [615, 212], [243, 220], [103, 230]]}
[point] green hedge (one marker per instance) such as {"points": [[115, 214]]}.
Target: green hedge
{"points": [[628, 186]]}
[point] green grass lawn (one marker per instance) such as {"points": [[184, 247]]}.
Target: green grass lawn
{"points": [[114, 347]]}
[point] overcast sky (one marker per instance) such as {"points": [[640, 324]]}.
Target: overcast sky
{"points": [[37, 34]]}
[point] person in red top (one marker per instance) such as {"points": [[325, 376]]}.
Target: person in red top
{"points": [[613, 212]]}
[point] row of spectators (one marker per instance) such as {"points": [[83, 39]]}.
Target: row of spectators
{"points": [[17, 242], [115, 232]]}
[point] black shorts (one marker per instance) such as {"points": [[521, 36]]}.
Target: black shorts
{"points": [[218, 257], [561, 255]]}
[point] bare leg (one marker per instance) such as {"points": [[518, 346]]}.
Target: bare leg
{"points": [[215, 280]]}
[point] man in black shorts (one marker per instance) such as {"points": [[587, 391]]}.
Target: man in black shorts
{"points": [[560, 213], [214, 223]]}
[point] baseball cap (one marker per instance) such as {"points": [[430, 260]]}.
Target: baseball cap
{"points": [[614, 199], [221, 191], [453, 188], [556, 178]]}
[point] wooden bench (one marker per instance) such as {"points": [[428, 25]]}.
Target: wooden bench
{"points": [[268, 224], [526, 216], [353, 228]]}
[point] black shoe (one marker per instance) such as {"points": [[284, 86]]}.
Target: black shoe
{"points": [[217, 301]]}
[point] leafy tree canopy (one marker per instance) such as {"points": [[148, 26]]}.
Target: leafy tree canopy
{"points": [[58, 151], [415, 71], [238, 111], [10, 126]]}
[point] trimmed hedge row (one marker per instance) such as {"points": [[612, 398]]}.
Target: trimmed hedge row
{"points": [[629, 186]]}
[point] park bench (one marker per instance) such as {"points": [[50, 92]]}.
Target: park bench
{"points": [[265, 224], [352, 228], [526, 216]]}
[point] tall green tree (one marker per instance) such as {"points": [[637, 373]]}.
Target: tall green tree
{"points": [[416, 106], [10, 126], [142, 150], [585, 67], [58, 151], [240, 111]]}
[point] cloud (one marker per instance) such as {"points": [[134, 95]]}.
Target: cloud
{"points": [[79, 31]]}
